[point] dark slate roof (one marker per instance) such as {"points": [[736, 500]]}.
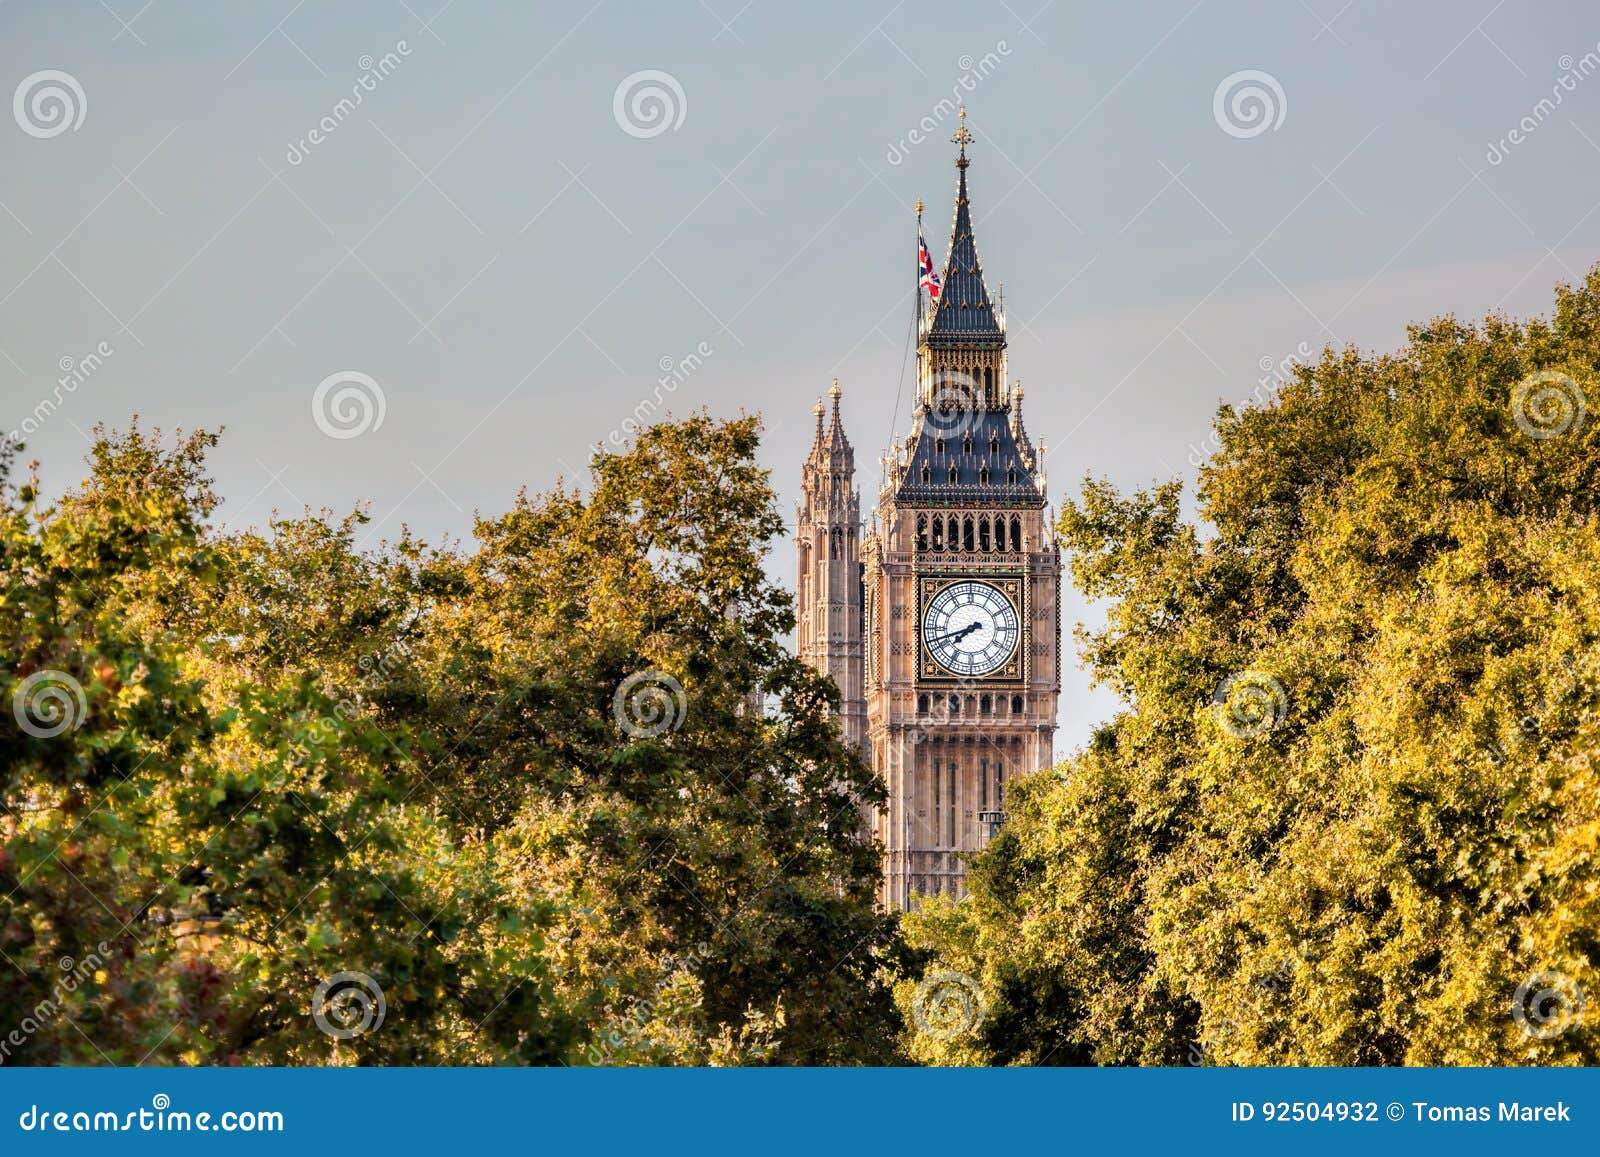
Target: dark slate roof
{"points": [[965, 315], [967, 487]]}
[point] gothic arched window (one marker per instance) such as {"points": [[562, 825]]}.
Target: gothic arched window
{"points": [[922, 704], [922, 532], [983, 531], [985, 705], [1016, 533], [938, 533], [938, 445], [994, 443], [1016, 705], [966, 533], [837, 549], [952, 475], [927, 475], [983, 477], [966, 444], [1011, 476]]}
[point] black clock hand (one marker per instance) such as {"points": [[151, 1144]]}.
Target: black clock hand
{"points": [[961, 634]]}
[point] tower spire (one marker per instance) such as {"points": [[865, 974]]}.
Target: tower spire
{"points": [[964, 313]]}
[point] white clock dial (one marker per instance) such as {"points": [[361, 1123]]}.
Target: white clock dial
{"points": [[970, 628]]}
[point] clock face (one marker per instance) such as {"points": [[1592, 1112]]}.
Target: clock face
{"points": [[970, 628]]}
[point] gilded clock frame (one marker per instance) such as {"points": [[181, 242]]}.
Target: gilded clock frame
{"points": [[1014, 671]]}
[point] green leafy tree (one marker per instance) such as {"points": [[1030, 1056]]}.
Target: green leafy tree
{"points": [[523, 803], [1349, 813], [616, 701]]}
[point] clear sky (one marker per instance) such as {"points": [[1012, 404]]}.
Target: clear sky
{"points": [[510, 247]]}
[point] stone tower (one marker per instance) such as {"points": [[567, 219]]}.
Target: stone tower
{"points": [[828, 602], [962, 576]]}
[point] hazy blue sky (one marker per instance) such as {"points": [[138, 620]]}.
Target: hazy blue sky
{"points": [[485, 240]]}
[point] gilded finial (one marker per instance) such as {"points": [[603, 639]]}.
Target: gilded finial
{"points": [[963, 137], [918, 206], [835, 391]]}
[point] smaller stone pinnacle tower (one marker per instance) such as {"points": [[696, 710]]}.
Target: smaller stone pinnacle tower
{"points": [[828, 603]]}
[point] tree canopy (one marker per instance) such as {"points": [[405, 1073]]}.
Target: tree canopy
{"points": [[1348, 814], [275, 796]]}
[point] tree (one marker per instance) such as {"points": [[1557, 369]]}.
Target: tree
{"points": [[614, 688], [274, 797], [1348, 815]]}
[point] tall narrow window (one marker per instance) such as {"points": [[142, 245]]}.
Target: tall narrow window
{"points": [[952, 842], [966, 533], [938, 528], [983, 522]]}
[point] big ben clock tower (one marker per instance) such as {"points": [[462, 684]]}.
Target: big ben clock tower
{"points": [[961, 581]]}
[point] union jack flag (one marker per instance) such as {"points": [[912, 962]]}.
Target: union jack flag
{"points": [[929, 278]]}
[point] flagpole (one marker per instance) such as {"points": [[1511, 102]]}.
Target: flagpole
{"points": [[917, 326]]}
